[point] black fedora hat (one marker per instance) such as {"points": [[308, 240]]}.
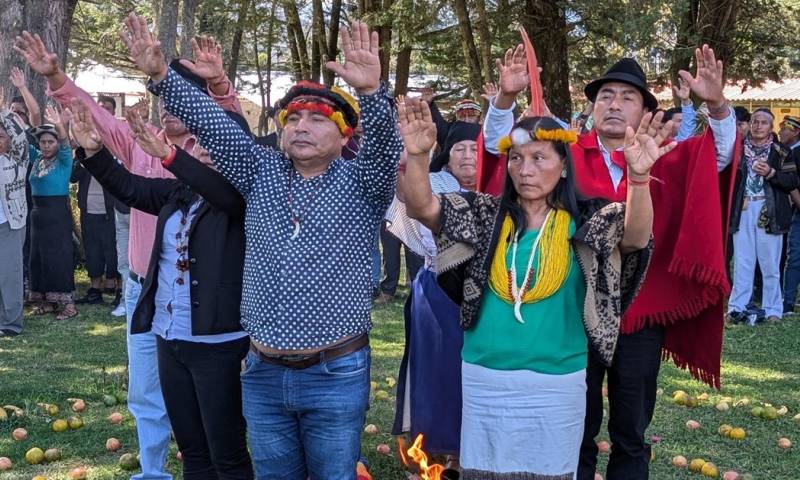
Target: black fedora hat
{"points": [[627, 71]]}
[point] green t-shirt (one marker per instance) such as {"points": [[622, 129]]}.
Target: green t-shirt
{"points": [[552, 340]]}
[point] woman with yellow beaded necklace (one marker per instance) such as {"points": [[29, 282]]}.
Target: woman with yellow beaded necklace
{"points": [[541, 276]]}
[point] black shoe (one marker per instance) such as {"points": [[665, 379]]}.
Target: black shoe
{"points": [[117, 298], [8, 333], [736, 318], [788, 308], [93, 297]]}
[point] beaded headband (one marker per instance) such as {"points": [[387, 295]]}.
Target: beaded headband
{"points": [[320, 107], [520, 136]]}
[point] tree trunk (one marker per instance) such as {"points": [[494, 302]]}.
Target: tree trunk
{"points": [[270, 44], [402, 71], [11, 25], [486, 41], [385, 39], [188, 15], [716, 26], [546, 24], [295, 29], [333, 40], [168, 29], [236, 44], [317, 38], [468, 45], [683, 52]]}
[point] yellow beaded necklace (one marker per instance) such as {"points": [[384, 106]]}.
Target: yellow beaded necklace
{"points": [[555, 262]]}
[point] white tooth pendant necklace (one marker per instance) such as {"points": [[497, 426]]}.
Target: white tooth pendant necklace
{"points": [[517, 293]]}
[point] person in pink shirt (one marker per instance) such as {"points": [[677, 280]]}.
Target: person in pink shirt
{"points": [[145, 399]]}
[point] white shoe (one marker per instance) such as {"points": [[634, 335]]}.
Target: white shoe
{"points": [[119, 311]]}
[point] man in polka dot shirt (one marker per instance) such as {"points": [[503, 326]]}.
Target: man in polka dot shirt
{"points": [[310, 225]]}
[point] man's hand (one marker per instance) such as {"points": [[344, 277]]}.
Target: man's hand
{"points": [[513, 70], [489, 91], [83, 129], [707, 83], [362, 66], [416, 126], [143, 48], [144, 136], [17, 79], [207, 60], [762, 168], [36, 54], [644, 147], [682, 91]]}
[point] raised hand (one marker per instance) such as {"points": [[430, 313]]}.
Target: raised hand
{"points": [[83, 129], [362, 67], [644, 147], [426, 95], [682, 91], [17, 78], [143, 48], [52, 115], [207, 59], [489, 91], [513, 70], [144, 136], [32, 49], [707, 83], [416, 126]]}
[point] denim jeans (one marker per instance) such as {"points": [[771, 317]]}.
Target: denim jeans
{"points": [[145, 400], [306, 423], [791, 278]]}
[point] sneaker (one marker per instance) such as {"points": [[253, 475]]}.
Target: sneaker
{"points": [[119, 311], [735, 318], [92, 297]]}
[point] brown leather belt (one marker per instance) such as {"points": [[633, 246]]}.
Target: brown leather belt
{"points": [[299, 362]]}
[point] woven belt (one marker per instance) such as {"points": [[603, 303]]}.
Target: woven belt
{"points": [[755, 198], [299, 362], [136, 278]]}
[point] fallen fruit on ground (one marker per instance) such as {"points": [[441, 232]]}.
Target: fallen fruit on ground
{"points": [[179, 456], [112, 444], [730, 475], [702, 397], [737, 433], [74, 422], [725, 430], [381, 395], [115, 418], [34, 456], [679, 461], [723, 406], [742, 402], [373, 385], [122, 397], [78, 473], [371, 429], [770, 413], [692, 424], [3, 415], [757, 412], [19, 434], [128, 461], [603, 446], [391, 382], [680, 397], [783, 410], [709, 470], [5, 463], [78, 406], [49, 408], [109, 400], [52, 454], [383, 449], [39, 477], [60, 425], [784, 443], [696, 465]]}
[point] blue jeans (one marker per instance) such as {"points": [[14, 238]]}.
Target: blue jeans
{"points": [[145, 400], [791, 277], [306, 423]]}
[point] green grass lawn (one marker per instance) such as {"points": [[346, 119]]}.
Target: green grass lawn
{"points": [[85, 358]]}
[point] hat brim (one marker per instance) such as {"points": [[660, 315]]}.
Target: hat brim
{"points": [[591, 90]]}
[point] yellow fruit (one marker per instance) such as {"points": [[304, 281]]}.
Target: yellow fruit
{"points": [[770, 413], [785, 443], [74, 423], [60, 425], [738, 433], [783, 410], [796, 418], [725, 430], [3, 416], [49, 409], [39, 477], [757, 412], [702, 397], [391, 382], [709, 470], [742, 403], [727, 400], [680, 398], [723, 406], [692, 402], [373, 385], [679, 461], [34, 456], [381, 395], [696, 465]]}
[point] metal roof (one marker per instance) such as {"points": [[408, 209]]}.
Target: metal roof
{"points": [[785, 91]]}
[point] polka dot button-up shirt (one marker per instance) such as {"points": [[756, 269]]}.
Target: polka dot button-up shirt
{"points": [[312, 290]]}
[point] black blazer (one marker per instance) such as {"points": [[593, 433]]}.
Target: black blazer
{"points": [[216, 237]]}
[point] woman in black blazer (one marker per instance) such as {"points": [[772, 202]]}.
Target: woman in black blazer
{"points": [[190, 296]]}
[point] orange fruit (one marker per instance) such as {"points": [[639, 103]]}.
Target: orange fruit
{"points": [[738, 433], [709, 470], [697, 465]]}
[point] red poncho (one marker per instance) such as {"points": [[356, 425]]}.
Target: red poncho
{"points": [[687, 284]]}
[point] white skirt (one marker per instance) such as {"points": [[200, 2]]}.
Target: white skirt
{"points": [[519, 424]]}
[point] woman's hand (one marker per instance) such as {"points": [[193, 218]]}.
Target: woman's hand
{"points": [[416, 126], [145, 137], [644, 147], [83, 129]]}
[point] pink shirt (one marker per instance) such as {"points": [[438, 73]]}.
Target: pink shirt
{"points": [[117, 137]]}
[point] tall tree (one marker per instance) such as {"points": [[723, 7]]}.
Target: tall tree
{"points": [[168, 28], [332, 49], [318, 44], [188, 15], [11, 25], [236, 44], [485, 40], [468, 45], [297, 40], [546, 24]]}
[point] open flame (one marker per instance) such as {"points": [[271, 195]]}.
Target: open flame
{"points": [[426, 472]]}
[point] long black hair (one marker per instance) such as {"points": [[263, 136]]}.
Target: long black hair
{"points": [[565, 195]]}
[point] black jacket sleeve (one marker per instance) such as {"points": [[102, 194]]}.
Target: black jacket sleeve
{"points": [[78, 172], [146, 194], [208, 183], [442, 125], [785, 178]]}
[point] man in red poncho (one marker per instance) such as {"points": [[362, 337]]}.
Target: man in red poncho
{"points": [[680, 306]]}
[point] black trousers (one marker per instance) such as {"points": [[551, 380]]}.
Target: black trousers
{"points": [[632, 380], [390, 246], [100, 244], [203, 395]]}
